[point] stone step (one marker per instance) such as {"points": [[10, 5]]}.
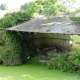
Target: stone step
{"points": [[44, 61]]}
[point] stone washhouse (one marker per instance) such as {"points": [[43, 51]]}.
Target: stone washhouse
{"points": [[53, 32]]}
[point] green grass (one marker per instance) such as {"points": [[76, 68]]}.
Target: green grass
{"points": [[34, 72], [76, 41]]}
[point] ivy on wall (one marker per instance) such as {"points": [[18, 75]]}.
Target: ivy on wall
{"points": [[13, 50]]}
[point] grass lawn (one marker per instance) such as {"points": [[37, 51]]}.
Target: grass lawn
{"points": [[76, 41], [34, 72]]}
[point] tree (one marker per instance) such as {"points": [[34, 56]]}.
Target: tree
{"points": [[46, 7], [24, 7], [49, 7], [3, 6]]}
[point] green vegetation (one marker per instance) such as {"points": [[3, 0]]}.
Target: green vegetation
{"points": [[46, 7], [12, 54], [34, 60], [12, 19], [74, 16], [66, 62], [76, 41], [34, 72], [17, 45]]}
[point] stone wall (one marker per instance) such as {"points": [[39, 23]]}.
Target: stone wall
{"points": [[61, 41]]}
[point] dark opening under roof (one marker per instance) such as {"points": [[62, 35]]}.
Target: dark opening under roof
{"points": [[59, 24]]}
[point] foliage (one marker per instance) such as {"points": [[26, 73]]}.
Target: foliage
{"points": [[1, 38], [1, 49], [74, 18], [76, 58], [17, 44], [27, 45], [12, 54], [11, 19], [24, 6], [18, 47], [66, 62], [46, 7], [3, 6], [34, 60], [61, 8], [78, 10], [1, 44]]}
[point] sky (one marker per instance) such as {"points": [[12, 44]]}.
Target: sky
{"points": [[15, 4], [72, 6]]}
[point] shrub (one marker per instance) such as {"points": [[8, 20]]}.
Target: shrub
{"points": [[34, 60], [66, 62], [12, 19], [53, 63], [0, 58], [46, 7], [17, 46], [12, 53], [75, 59], [74, 16]]}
